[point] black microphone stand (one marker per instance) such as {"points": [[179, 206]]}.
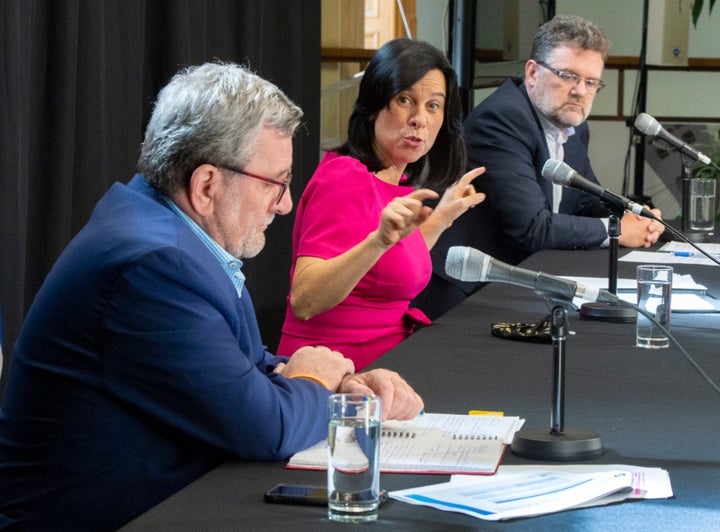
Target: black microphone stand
{"points": [[559, 443], [639, 195], [686, 166], [610, 311]]}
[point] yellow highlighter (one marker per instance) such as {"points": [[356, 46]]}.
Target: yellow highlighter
{"points": [[485, 413]]}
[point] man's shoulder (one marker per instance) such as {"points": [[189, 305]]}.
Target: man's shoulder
{"points": [[507, 100], [506, 111], [510, 90], [128, 222]]}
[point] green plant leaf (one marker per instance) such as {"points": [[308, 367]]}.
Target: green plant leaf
{"points": [[697, 9]]}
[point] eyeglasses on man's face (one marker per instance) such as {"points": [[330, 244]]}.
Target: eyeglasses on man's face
{"points": [[592, 84], [282, 184]]}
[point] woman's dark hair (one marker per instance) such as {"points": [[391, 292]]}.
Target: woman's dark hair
{"points": [[397, 66]]}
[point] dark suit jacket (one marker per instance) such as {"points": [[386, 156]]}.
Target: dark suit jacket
{"points": [[504, 134], [138, 369]]}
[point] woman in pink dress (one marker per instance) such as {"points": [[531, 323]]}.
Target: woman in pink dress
{"points": [[362, 234]]}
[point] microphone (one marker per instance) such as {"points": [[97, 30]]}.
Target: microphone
{"points": [[561, 174], [647, 125], [472, 265]]}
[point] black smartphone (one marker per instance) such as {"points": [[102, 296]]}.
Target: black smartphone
{"points": [[289, 494], [311, 495]]}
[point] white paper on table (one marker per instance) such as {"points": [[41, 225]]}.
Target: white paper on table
{"points": [[525, 491], [680, 282], [432, 443], [658, 257], [649, 482], [675, 245], [679, 302], [688, 296]]}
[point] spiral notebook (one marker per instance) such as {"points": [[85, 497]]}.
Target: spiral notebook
{"points": [[433, 444]]}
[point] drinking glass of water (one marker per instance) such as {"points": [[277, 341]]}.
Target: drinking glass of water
{"points": [[654, 292], [702, 204], [353, 457]]}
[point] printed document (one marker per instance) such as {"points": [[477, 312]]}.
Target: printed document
{"points": [[525, 491], [433, 444]]}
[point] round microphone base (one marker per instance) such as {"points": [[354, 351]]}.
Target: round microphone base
{"points": [[608, 312], [572, 444]]}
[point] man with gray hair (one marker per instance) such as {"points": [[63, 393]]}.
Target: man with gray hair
{"points": [[513, 133], [140, 365]]}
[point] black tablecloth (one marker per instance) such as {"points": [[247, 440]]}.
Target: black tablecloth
{"points": [[650, 407]]}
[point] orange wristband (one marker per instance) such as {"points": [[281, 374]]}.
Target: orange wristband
{"points": [[313, 378]]}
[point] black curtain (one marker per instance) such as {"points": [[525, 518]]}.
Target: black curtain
{"points": [[78, 81]]}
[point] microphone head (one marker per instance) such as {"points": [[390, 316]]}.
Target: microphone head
{"points": [[647, 125], [467, 264], [455, 261], [558, 172]]}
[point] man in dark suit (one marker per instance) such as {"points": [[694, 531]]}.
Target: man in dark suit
{"points": [[140, 365], [513, 133]]}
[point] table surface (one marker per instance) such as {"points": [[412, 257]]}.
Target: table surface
{"points": [[651, 408]]}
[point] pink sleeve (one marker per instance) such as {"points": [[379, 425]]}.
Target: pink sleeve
{"points": [[338, 209]]}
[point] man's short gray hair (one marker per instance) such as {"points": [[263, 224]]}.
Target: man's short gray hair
{"points": [[568, 30], [214, 114]]}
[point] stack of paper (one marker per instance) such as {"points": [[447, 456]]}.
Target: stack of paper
{"points": [[525, 491], [433, 444], [687, 295], [676, 253]]}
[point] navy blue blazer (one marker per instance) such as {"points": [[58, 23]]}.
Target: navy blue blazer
{"points": [[503, 134], [137, 370]]}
